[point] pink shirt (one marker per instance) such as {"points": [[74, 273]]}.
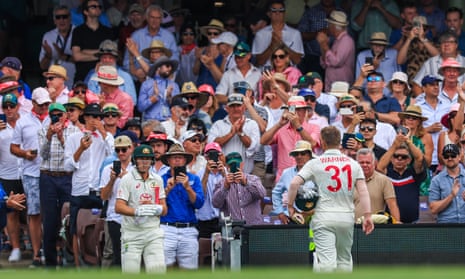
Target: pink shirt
{"points": [[124, 102], [339, 61], [285, 138]]}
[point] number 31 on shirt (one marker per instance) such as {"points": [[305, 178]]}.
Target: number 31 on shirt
{"points": [[337, 172]]}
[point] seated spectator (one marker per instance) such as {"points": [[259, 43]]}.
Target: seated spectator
{"points": [[382, 194], [383, 58], [302, 153], [446, 195], [239, 194], [404, 164]]}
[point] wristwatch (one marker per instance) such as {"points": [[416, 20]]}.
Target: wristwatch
{"points": [[242, 134], [299, 129]]}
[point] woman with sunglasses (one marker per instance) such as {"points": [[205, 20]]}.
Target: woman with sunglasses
{"points": [[187, 48], [400, 89], [81, 91]]}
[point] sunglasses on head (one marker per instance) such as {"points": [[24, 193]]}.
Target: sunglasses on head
{"points": [[449, 156], [8, 106], [370, 79], [280, 56], [57, 17], [112, 114], [121, 149], [369, 129], [400, 156]]}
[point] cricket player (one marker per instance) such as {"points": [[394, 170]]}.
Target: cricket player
{"points": [[336, 176], [141, 200]]}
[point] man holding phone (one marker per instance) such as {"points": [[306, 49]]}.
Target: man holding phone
{"points": [[239, 194], [183, 196], [55, 182]]}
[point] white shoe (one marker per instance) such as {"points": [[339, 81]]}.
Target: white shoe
{"points": [[15, 255]]}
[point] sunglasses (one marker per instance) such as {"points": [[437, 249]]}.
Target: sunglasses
{"points": [[213, 33], [94, 116], [191, 97], [50, 78], [370, 79], [299, 153], [400, 156], [280, 10], [396, 81], [451, 156], [188, 34], [112, 114], [345, 106], [78, 92], [94, 7], [310, 98], [121, 149], [58, 17], [196, 139], [8, 106], [71, 110], [43, 105], [280, 56], [369, 129], [58, 115], [410, 117]]}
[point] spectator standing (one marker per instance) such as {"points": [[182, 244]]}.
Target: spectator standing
{"points": [[454, 22], [187, 48]]}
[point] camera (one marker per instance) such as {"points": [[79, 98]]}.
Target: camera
{"points": [[358, 109], [117, 167], [179, 170]]}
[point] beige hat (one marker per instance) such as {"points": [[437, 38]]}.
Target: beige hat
{"points": [[75, 102], [339, 88], [213, 24], [176, 149], [122, 141], [399, 76], [156, 44], [109, 75], [279, 77], [412, 110], [189, 89], [378, 38], [56, 70], [301, 145], [338, 18], [297, 102], [346, 98]]}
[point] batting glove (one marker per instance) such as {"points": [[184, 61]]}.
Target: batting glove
{"points": [[146, 210]]}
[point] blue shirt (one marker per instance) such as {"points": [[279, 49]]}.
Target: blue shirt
{"points": [[208, 211], [161, 109], [127, 86], [3, 208], [385, 104], [440, 188], [283, 187], [180, 208]]}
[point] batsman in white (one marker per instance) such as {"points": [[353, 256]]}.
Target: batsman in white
{"points": [[337, 177], [141, 200]]}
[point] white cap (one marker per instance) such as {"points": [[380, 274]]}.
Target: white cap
{"points": [[226, 38], [41, 96]]}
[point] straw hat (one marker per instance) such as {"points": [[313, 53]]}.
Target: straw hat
{"points": [[346, 98], [378, 38], [176, 149], [301, 145], [213, 24], [412, 110], [156, 44], [338, 18], [56, 70], [109, 75], [189, 89]]}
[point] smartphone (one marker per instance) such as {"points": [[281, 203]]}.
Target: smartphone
{"points": [[213, 156], [369, 60], [179, 170], [267, 68], [345, 138], [233, 167], [87, 135], [292, 109], [403, 130], [54, 118], [358, 109], [3, 117], [117, 167]]}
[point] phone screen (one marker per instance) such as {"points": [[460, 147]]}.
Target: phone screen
{"points": [[117, 167], [369, 60], [3, 117], [179, 170]]}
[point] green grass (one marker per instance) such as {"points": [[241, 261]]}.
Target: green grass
{"points": [[368, 272]]}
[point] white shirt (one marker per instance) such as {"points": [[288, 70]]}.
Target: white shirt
{"points": [[52, 37], [330, 101], [86, 170], [10, 165], [222, 127], [290, 36], [170, 126], [226, 85]]}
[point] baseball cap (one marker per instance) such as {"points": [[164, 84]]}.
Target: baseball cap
{"points": [[450, 149], [131, 135], [190, 134], [122, 141], [306, 92], [181, 102], [136, 8], [213, 146], [206, 88], [429, 79], [233, 157], [235, 99], [305, 81], [314, 75], [93, 109], [226, 38], [111, 107], [241, 49], [56, 106], [241, 87], [11, 62], [41, 96], [10, 98]]}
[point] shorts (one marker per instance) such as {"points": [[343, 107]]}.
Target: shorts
{"points": [[32, 191], [76, 203], [15, 185]]}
